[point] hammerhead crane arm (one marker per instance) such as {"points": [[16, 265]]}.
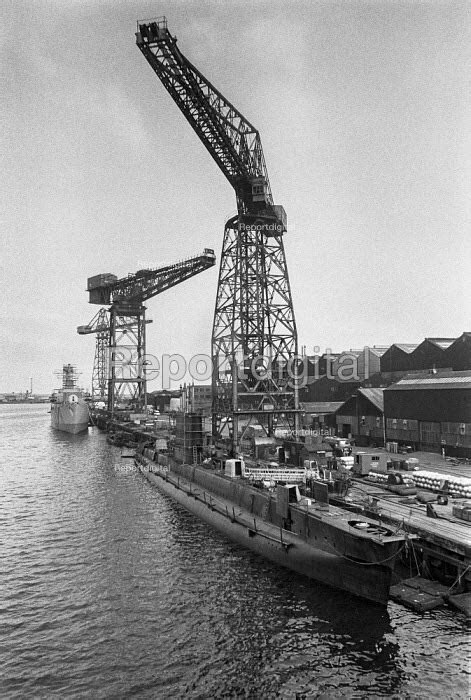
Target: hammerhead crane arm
{"points": [[231, 140], [145, 284]]}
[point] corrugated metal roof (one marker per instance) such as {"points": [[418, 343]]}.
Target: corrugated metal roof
{"points": [[375, 396], [442, 343], [406, 347], [379, 350], [320, 406], [446, 380]]}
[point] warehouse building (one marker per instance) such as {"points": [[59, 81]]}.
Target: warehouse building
{"points": [[326, 389], [397, 360], [358, 365], [361, 417], [320, 415], [320, 365], [431, 412], [458, 354], [430, 354], [452, 354]]}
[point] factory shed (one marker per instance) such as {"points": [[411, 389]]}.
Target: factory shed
{"points": [[458, 354], [358, 365], [320, 415], [431, 353], [361, 417], [398, 358], [377, 381], [325, 389], [317, 366], [431, 412], [372, 360]]}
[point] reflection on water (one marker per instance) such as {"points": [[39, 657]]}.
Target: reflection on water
{"points": [[109, 589]]}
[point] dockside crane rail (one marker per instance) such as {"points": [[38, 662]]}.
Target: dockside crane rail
{"points": [[254, 325]]}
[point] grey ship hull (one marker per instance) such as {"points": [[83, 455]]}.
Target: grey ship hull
{"points": [[70, 418], [324, 556]]}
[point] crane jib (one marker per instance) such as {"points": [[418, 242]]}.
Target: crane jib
{"points": [[145, 284], [232, 141]]}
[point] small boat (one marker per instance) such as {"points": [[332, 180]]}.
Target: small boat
{"points": [[69, 409]]}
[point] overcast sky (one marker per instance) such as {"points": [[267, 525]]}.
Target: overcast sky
{"points": [[364, 114]]}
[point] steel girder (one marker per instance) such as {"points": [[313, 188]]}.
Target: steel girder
{"points": [[100, 367], [145, 284], [148, 283], [228, 136], [127, 343], [254, 339]]}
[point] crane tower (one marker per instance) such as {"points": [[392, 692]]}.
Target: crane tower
{"points": [[100, 326], [254, 338]]}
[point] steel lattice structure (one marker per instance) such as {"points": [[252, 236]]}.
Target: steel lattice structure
{"points": [[127, 347], [100, 369], [101, 326], [121, 330], [254, 339]]}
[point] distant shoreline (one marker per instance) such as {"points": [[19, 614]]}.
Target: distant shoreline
{"points": [[31, 401]]}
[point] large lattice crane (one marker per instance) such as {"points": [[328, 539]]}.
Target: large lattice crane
{"points": [[121, 328], [254, 339], [100, 326]]}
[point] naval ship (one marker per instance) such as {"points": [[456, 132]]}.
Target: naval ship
{"points": [[69, 409], [329, 544]]}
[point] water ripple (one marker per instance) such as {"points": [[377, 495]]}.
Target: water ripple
{"points": [[111, 590]]}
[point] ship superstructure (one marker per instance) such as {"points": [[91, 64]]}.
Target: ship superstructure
{"points": [[69, 409]]}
